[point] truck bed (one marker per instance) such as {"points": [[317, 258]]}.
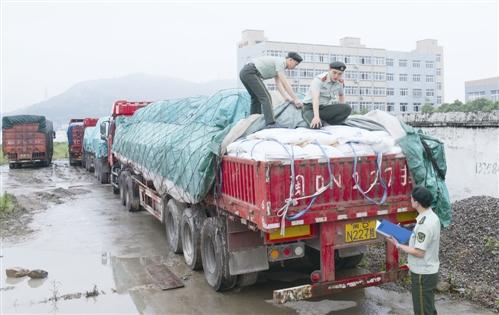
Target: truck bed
{"points": [[255, 191]]}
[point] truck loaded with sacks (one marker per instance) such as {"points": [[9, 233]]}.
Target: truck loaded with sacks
{"points": [[236, 198]]}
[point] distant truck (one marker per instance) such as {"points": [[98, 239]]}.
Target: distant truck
{"points": [[87, 122], [27, 139], [100, 140]]}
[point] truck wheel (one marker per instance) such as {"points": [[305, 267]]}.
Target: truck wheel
{"points": [[122, 183], [172, 216], [12, 165], [132, 195], [83, 161], [190, 231], [97, 168], [215, 255], [247, 279]]}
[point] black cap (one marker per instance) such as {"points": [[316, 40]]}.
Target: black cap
{"points": [[422, 195], [337, 65], [294, 56]]}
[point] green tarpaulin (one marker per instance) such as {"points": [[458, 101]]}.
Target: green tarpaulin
{"points": [[175, 142]]}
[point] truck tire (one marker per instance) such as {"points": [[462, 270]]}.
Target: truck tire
{"points": [[132, 195], [83, 160], [12, 166], [97, 163], [122, 183], [172, 216], [215, 255], [247, 279], [190, 230]]}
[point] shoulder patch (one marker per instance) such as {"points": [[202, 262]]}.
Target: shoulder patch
{"points": [[422, 220], [421, 237]]}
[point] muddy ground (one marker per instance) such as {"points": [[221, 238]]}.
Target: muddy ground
{"points": [[96, 255]]}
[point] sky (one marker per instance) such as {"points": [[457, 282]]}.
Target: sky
{"points": [[48, 46]]}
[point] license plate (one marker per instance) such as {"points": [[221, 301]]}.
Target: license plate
{"points": [[360, 231], [25, 156]]}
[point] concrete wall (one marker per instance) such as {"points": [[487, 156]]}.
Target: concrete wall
{"points": [[471, 147]]}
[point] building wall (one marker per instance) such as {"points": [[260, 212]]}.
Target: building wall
{"points": [[365, 78], [484, 88]]}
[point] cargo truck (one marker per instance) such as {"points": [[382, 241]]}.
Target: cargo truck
{"points": [[238, 229], [27, 139]]}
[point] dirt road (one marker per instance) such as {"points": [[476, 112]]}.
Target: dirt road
{"points": [[78, 231]]}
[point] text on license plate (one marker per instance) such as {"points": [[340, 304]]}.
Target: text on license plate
{"points": [[360, 231]]}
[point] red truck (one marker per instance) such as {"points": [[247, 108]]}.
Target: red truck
{"points": [[104, 166], [240, 228], [27, 139]]}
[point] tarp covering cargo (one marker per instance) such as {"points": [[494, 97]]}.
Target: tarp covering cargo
{"points": [[70, 130], [426, 160], [10, 121], [175, 142], [87, 138], [92, 140]]}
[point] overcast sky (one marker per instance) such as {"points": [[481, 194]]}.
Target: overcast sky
{"points": [[49, 46]]}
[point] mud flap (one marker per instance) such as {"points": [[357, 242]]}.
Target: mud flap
{"points": [[248, 260]]}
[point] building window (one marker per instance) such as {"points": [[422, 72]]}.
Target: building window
{"points": [[390, 92], [351, 90], [365, 106], [403, 107], [403, 63], [430, 92], [404, 91], [429, 79], [403, 77], [334, 58], [416, 63], [351, 75], [379, 105], [275, 53], [365, 91], [379, 76], [389, 62], [379, 61], [417, 93], [416, 107], [379, 91], [390, 107], [416, 77], [439, 100], [429, 64], [439, 86], [494, 95], [438, 57], [364, 76], [365, 60], [348, 60], [389, 77], [271, 86], [439, 71], [308, 57]]}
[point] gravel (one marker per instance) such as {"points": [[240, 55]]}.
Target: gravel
{"points": [[469, 253]]}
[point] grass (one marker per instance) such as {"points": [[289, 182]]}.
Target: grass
{"points": [[6, 204], [60, 151]]}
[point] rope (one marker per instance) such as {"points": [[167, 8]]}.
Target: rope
{"points": [[355, 176]]}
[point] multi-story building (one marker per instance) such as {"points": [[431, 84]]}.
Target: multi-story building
{"points": [[375, 78], [483, 88]]}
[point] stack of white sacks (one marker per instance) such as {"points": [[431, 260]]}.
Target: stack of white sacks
{"points": [[302, 143]]}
